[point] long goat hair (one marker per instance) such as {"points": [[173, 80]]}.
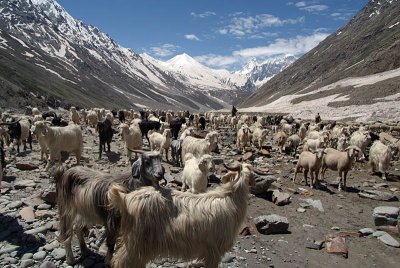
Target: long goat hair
{"points": [[168, 223], [82, 199]]}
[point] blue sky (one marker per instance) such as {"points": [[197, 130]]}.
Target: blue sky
{"points": [[218, 33]]}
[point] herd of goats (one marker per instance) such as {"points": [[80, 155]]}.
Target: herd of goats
{"points": [[145, 220]]}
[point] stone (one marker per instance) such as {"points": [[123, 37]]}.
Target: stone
{"points": [[366, 231], [336, 245], [228, 258], [51, 246], [44, 206], [248, 229], [40, 229], [311, 203], [385, 215], [4, 234], [27, 256], [50, 197], [10, 260], [248, 156], [272, 224], [15, 204], [378, 233], [378, 195], [58, 253], [26, 166], [262, 184], [389, 240], [40, 255], [27, 214], [280, 198], [301, 210], [21, 184], [48, 264], [265, 152], [26, 263], [44, 214], [395, 230], [317, 245], [33, 201]]}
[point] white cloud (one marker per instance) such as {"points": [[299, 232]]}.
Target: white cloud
{"points": [[240, 26], [300, 4], [203, 15], [314, 8], [192, 37], [217, 60], [295, 46], [164, 50]]}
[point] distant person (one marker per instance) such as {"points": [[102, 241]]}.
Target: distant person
{"points": [[317, 118], [234, 111]]}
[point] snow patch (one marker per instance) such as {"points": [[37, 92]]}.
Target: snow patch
{"points": [[28, 54], [54, 72], [19, 41], [391, 26]]}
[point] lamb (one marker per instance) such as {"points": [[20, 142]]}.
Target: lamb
{"points": [[161, 141], [310, 161], [59, 139], [132, 136], [187, 132], [82, 199], [379, 156], [280, 138], [242, 137], [259, 136], [340, 161], [196, 171], [74, 115], [194, 226]]}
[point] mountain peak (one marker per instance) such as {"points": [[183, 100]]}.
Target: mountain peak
{"points": [[183, 60]]}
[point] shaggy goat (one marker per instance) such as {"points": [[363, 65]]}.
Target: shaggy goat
{"points": [[242, 137], [74, 116], [132, 136], [82, 199], [58, 139], [161, 142], [196, 171], [259, 136], [379, 156], [340, 161], [169, 223], [197, 147], [361, 139], [280, 138]]}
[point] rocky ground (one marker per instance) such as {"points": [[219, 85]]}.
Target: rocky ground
{"points": [[305, 219]]}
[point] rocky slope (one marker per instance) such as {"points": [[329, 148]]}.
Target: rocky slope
{"points": [[327, 77]]}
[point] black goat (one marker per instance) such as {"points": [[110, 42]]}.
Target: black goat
{"points": [[105, 135], [146, 126], [82, 199], [2, 160], [175, 127], [121, 116], [202, 122], [57, 120], [15, 133]]}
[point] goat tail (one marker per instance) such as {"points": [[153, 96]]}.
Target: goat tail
{"points": [[115, 196]]}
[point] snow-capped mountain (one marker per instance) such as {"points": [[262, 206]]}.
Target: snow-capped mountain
{"points": [[258, 74], [46, 52]]}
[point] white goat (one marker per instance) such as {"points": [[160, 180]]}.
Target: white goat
{"points": [[74, 115], [132, 136], [293, 142], [379, 156], [242, 137], [197, 147], [310, 161], [92, 118], [340, 161], [280, 138], [161, 142], [361, 139], [259, 136], [194, 226], [196, 171], [58, 139], [313, 145]]}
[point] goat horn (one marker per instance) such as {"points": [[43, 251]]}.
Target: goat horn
{"points": [[236, 167]]}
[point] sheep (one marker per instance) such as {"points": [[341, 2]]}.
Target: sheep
{"points": [[59, 139], [259, 136], [169, 223], [311, 144], [161, 141], [92, 118], [196, 171], [82, 201], [379, 156], [361, 139], [280, 138], [310, 161], [293, 142], [242, 137], [340, 161], [74, 116], [132, 136]]}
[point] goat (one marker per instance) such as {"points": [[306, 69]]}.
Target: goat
{"points": [[309, 161], [242, 137], [19, 132], [175, 126], [161, 141], [197, 147], [105, 135], [132, 137], [59, 139], [280, 138], [194, 226], [146, 126], [82, 199], [74, 115], [340, 161], [380, 155], [196, 171]]}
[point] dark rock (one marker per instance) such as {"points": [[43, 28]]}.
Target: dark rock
{"points": [[272, 224], [26, 166], [378, 195], [50, 197], [262, 184], [386, 215]]}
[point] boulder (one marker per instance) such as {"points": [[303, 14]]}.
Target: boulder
{"points": [[26, 166], [272, 224], [262, 184], [389, 240], [336, 245], [306, 203], [385, 215], [378, 195], [280, 198], [27, 214]]}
